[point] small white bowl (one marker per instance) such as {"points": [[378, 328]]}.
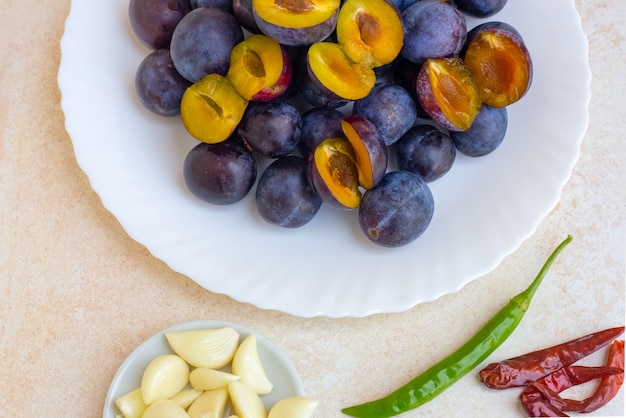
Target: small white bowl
{"points": [[277, 366]]}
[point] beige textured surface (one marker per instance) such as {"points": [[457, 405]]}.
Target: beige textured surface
{"points": [[78, 295]]}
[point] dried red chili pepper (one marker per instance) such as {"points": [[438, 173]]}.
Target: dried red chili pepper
{"points": [[548, 394], [608, 387], [518, 371], [536, 405], [570, 376], [541, 398]]}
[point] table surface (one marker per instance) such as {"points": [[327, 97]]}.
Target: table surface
{"points": [[78, 294]]}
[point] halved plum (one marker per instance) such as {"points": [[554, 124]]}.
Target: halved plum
{"points": [[447, 93], [260, 68], [211, 109], [370, 32], [296, 23], [500, 63], [333, 173], [334, 73], [369, 149]]}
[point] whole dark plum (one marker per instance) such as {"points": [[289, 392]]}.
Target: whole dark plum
{"points": [[432, 29], [390, 108], [402, 4], [486, 133], [318, 124], [202, 41], [405, 75], [480, 8], [221, 173], [427, 151], [154, 21], [271, 129], [226, 5], [242, 9], [284, 195], [158, 85], [398, 210]]}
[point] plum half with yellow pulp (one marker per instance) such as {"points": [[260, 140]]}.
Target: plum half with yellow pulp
{"points": [[211, 109], [370, 31], [447, 93], [500, 63], [333, 173], [335, 72], [296, 22], [260, 68], [369, 149]]}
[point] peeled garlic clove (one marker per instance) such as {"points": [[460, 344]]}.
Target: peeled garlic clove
{"points": [[186, 397], [293, 406], [210, 348], [165, 408], [211, 404], [209, 379], [246, 401], [131, 404], [247, 365], [163, 378]]}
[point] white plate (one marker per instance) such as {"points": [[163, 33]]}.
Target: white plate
{"points": [[484, 208], [277, 366]]}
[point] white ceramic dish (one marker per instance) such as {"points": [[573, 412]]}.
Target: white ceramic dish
{"points": [[278, 368], [484, 208]]}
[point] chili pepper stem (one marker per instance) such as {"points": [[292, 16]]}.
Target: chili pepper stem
{"points": [[524, 298]]}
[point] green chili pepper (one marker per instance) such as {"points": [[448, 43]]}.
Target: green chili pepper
{"points": [[435, 380]]}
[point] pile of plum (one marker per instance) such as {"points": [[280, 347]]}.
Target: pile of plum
{"points": [[358, 104]]}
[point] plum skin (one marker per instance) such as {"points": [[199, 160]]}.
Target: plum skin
{"points": [[220, 174], [202, 42], [427, 151], [242, 10], [390, 108], [154, 21], [397, 211], [225, 5], [284, 196], [480, 8], [318, 123], [271, 129], [486, 133], [433, 29], [158, 85]]}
